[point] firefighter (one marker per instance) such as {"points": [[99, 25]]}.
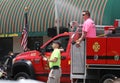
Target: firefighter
{"points": [[88, 29], [54, 63]]}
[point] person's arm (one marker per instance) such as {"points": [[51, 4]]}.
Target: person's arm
{"points": [[81, 38], [47, 59], [56, 55], [53, 60], [85, 29]]}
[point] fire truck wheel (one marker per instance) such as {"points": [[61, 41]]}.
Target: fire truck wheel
{"points": [[21, 75], [108, 78]]}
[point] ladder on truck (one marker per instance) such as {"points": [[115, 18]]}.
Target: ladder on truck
{"points": [[78, 62], [78, 58]]}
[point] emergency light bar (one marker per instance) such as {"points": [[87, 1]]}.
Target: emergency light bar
{"points": [[117, 23]]}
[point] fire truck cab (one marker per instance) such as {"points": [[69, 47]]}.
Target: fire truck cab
{"points": [[30, 64], [97, 60]]}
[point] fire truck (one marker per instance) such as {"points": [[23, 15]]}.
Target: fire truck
{"points": [[96, 60]]}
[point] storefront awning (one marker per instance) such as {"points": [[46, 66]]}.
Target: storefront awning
{"points": [[41, 14], [40, 17]]}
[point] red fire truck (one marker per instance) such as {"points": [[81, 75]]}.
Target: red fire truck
{"points": [[97, 60]]}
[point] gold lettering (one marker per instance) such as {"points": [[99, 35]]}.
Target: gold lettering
{"points": [[8, 35]]}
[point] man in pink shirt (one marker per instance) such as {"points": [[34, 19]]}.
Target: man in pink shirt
{"points": [[88, 29]]}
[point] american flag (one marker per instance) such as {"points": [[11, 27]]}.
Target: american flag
{"points": [[24, 40]]}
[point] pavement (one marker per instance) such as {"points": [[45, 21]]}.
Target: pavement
{"points": [[21, 81]]}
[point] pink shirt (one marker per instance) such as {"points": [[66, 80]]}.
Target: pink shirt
{"points": [[89, 27]]}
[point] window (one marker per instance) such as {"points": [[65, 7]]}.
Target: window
{"points": [[33, 40], [64, 42]]}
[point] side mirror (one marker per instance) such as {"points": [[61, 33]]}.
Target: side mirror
{"points": [[42, 51]]}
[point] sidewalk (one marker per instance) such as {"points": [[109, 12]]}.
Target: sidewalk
{"points": [[21, 81]]}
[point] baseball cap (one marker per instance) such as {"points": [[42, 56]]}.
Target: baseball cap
{"points": [[57, 42]]}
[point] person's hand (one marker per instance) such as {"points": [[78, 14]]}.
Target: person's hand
{"points": [[61, 49], [78, 43], [48, 60], [45, 58]]}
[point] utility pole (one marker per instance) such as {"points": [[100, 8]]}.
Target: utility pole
{"points": [[57, 16]]}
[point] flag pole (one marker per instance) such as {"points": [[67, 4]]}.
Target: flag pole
{"points": [[26, 17], [26, 26], [24, 39]]}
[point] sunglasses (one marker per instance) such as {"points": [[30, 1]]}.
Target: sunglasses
{"points": [[83, 14]]}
